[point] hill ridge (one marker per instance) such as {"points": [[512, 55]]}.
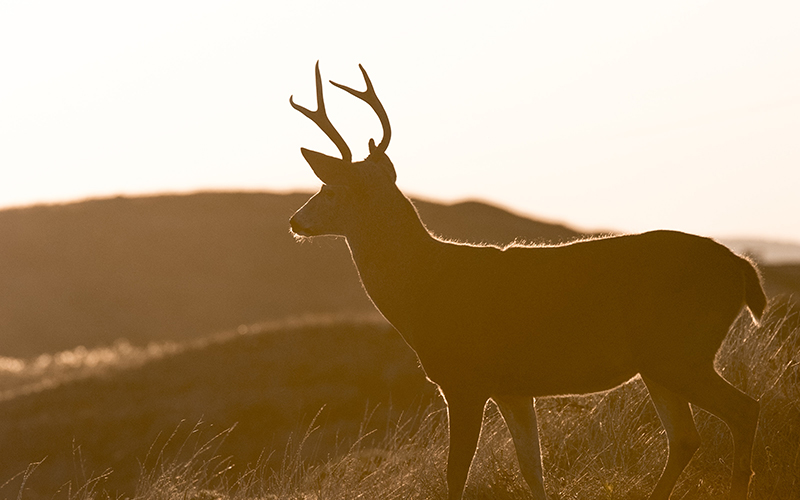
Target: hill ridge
{"points": [[174, 267], [182, 266], [268, 381]]}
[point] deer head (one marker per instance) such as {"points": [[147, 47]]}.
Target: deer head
{"points": [[350, 189]]}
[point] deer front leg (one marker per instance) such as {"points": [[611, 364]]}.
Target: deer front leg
{"points": [[520, 416], [465, 415]]}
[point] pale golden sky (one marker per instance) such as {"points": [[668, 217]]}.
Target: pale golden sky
{"points": [[605, 115]]}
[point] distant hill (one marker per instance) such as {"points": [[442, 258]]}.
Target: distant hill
{"points": [[179, 267], [779, 263], [184, 266], [269, 382], [768, 252], [782, 280]]}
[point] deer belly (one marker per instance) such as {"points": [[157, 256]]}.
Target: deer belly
{"points": [[558, 365], [526, 370], [554, 378]]}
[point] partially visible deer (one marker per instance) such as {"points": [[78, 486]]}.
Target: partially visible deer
{"points": [[516, 323]]}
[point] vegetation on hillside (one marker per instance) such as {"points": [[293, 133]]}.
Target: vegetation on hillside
{"points": [[268, 379], [115, 380], [602, 446]]}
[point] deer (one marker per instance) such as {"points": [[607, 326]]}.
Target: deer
{"points": [[521, 322]]}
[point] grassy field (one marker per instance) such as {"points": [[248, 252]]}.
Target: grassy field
{"points": [[115, 380], [604, 446]]}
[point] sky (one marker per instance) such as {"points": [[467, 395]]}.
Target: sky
{"points": [[623, 116]]}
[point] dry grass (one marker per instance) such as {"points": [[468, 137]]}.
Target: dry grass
{"points": [[606, 446], [165, 271]]}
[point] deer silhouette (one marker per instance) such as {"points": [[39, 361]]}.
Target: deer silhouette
{"points": [[521, 322]]}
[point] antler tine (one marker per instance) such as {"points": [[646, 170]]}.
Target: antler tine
{"points": [[320, 117], [371, 98]]}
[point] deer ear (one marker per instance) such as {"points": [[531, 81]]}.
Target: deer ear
{"points": [[328, 169], [382, 160]]}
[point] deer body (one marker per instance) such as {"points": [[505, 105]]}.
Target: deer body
{"points": [[523, 322], [540, 321]]}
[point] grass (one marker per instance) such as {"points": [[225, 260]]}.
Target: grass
{"points": [[603, 446]]}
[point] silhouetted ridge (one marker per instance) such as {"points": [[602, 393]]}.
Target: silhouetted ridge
{"points": [[477, 222], [183, 266]]}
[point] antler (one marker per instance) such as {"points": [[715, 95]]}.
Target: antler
{"points": [[321, 118], [371, 98]]}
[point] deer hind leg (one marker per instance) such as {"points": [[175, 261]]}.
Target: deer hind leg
{"points": [[682, 437], [520, 416], [739, 411], [465, 415]]}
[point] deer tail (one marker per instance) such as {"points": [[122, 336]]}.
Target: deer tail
{"points": [[754, 296]]}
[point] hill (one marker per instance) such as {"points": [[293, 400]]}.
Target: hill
{"points": [[269, 381], [782, 279], [771, 252], [170, 272], [126, 425], [181, 267]]}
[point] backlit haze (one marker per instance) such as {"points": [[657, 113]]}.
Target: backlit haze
{"points": [[603, 115]]}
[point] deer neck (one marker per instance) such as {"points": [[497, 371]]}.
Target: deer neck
{"points": [[391, 252]]}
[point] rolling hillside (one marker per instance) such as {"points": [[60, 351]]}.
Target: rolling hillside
{"points": [[204, 288], [185, 266], [180, 267], [269, 382]]}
